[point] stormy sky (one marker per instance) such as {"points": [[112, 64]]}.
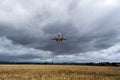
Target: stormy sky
{"points": [[92, 29]]}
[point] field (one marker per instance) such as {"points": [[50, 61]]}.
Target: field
{"points": [[58, 72]]}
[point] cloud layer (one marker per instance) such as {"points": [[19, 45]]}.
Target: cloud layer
{"points": [[91, 28]]}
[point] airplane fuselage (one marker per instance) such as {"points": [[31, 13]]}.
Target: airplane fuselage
{"points": [[59, 38]]}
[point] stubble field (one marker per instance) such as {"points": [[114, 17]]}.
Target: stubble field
{"points": [[58, 72]]}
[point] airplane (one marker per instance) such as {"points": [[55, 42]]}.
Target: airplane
{"points": [[59, 38]]}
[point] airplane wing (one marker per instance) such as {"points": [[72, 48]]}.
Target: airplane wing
{"points": [[54, 38], [63, 38]]}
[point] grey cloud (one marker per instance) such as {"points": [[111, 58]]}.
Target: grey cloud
{"points": [[10, 51], [88, 25]]}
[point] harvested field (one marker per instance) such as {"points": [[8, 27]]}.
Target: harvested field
{"points": [[58, 72]]}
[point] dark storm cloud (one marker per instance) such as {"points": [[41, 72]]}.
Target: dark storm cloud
{"points": [[12, 52], [76, 43], [89, 26]]}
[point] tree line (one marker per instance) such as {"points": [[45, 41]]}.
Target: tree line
{"points": [[65, 63]]}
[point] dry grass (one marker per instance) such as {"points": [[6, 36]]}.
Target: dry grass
{"points": [[58, 72]]}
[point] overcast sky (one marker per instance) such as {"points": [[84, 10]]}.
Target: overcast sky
{"points": [[92, 29]]}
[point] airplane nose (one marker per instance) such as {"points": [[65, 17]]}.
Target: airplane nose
{"points": [[59, 33]]}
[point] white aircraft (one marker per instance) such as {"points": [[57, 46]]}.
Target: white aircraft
{"points": [[59, 38]]}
